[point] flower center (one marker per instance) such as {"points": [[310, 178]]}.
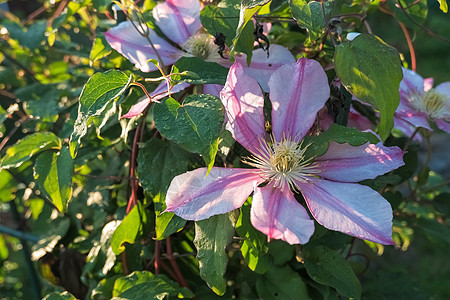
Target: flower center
{"points": [[431, 102], [200, 46], [283, 162]]}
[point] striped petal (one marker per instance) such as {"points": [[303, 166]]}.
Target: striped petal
{"points": [[297, 92], [346, 163], [279, 216], [125, 39], [350, 208], [193, 196], [243, 102]]}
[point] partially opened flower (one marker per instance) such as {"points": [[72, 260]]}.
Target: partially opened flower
{"points": [[179, 20], [328, 183], [419, 103]]}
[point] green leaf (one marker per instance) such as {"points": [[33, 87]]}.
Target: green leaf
{"points": [[59, 296], [318, 145], [199, 71], [159, 162], [53, 172], [224, 19], [41, 100], [253, 3], [371, 70], [30, 37], [327, 266], [100, 89], [100, 48], [418, 12], [443, 5], [309, 16], [101, 5], [130, 229], [144, 285], [7, 186], [195, 124], [434, 230], [245, 15], [254, 246], [104, 288], [211, 238], [25, 148], [167, 224], [281, 283]]}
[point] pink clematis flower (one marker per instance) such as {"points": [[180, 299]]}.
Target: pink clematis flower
{"points": [[179, 20], [328, 183], [419, 103]]}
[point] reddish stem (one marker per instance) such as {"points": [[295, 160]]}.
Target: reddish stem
{"points": [[410, 46], [134, 183], [157, 256], [174, 264], [168, 270]]}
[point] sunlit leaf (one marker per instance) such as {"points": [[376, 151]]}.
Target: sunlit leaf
{"points": [[144, 285], [25, 148], [195, 124], [53, 172], [199, 71], [130, 229], [97, 93], [254, 246], [309, 16]]}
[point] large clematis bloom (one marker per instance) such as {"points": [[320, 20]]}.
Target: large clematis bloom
{"points": [[328, 183], [420, 102], [179, 20]]}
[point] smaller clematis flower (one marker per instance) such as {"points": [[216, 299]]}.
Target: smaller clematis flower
{"points": [[420, 102], [179, 20], [328, 183]]}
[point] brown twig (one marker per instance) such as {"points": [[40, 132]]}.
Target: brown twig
{"points": [[58, 12], [125, 269], [12, 132], [34, 14]]}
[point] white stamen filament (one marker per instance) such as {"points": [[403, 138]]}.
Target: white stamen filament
{"points": [[431, 102], [283, 163]]}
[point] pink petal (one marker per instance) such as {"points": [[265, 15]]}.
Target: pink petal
{"points": [[407, 128], [428, 84], [262, 67], [212, 89], [130, 43], [444, 88], [137, 109], [243, 102], [411, 82], [416, 118], [159, 93], [178, 19], [346, 163], [194, 197], [278, 215], [351, 208], [442, 125], [297, 91], [358, 121]]}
